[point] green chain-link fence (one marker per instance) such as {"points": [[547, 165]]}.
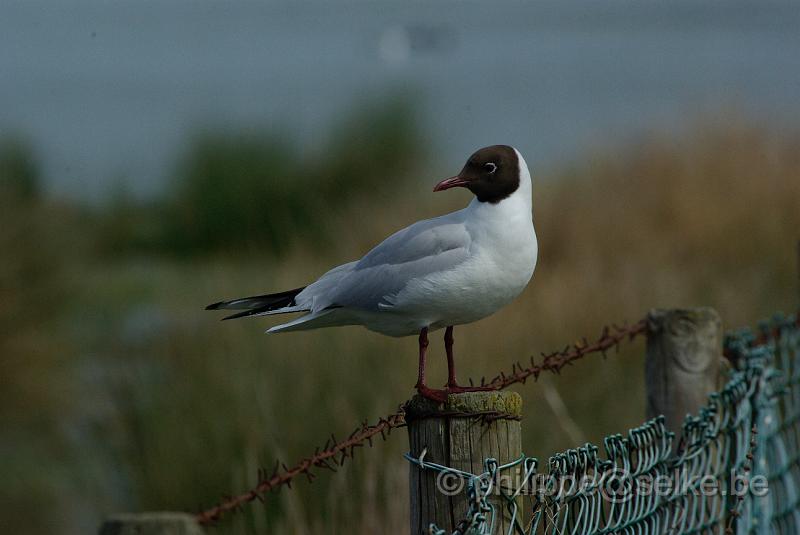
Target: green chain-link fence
{"points": [[735, 469]]}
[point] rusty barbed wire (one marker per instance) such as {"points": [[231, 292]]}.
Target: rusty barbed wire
{"points": [[335, 453], [610, 338], [332, 455]]}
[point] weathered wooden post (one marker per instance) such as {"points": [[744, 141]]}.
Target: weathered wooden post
{"points": [[151, 524], [461, 434], [684, 347]]}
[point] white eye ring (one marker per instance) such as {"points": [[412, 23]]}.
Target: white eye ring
{"points": [[491, 167]]}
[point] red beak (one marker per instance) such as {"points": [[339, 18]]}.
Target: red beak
{"points": [[452, 182]]}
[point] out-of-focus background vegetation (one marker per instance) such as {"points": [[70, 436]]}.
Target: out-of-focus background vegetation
{"points": [[673, 180]]}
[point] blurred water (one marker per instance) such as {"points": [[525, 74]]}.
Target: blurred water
{"points": [[108, 91]]}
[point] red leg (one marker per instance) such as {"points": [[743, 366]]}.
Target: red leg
{"points": [[452, 384], [436, 395], [451, 366], [423, 353]]}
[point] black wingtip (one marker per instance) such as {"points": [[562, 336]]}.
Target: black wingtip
{"points": [[257, 304], [243, 314]]}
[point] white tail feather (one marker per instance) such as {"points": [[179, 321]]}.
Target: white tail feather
{"points": [[315, 320]]}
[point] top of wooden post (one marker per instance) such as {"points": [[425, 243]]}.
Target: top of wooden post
{"points": [[499, 404], [690, 338]]}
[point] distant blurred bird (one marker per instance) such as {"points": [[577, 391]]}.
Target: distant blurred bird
{"points": [[450, 270]]}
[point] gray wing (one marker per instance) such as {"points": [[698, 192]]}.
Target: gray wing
{"points": [[423, 248]]}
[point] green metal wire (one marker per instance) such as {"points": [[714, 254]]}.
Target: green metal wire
{"points": [[647, 483]]}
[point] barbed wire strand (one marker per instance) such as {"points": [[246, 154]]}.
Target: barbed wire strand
{"points": [[334, 453], [610, 338]]}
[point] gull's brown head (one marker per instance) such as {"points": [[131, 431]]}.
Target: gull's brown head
{"points": [[491, 173]]}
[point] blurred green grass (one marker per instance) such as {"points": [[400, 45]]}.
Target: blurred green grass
{"points": [[120, 393]]}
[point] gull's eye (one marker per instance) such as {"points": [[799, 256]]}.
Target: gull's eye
{"points": [[490, 167]]}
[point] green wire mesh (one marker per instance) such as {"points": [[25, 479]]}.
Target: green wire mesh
{"points": [[646, 483]]}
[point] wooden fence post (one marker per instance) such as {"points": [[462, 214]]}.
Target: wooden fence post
{"points": [[151, 524], [684, 347], [460, 434]]}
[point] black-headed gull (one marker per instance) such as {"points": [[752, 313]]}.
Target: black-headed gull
{"points": [[446, 271]]}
